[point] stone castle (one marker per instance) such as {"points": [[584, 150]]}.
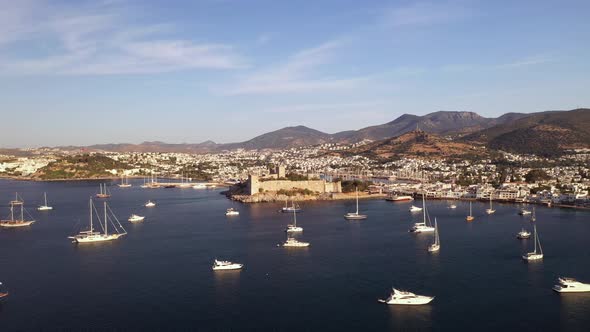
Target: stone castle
{"points": [[272, 183]]}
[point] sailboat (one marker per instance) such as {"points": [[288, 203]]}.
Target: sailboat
{"points": [[183, 184], [293, 208], [103, 192], [491, 209], [355, 215], [533, 217], [470, 217], [45, 207], [436, 245], [16, 221], [535, 255], [92, 236], [293, 228], [124, 182], [423, 226]]}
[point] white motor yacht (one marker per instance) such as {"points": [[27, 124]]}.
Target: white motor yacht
{"points": [[452, 206], [415, 209], [570, 285], [399, 198], [226, 265], [136, 218], [200, 186], [232, 212], [524, 212], [291, 242], [523, 234], [407, 298], [150, 204]]}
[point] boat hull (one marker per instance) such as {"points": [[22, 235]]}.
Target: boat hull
{"points": [[532, 257], [421, 300], [96, 238], [15, 224], [228, 267], [44, 208], [354, 216], [434, 248]]}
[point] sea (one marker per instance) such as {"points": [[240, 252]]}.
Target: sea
{"points": [[159, 278]]}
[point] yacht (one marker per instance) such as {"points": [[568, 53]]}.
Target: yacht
{"points": [[537, 254], [491, 209], [407, 298], [45, 207], [94, 236], [399, 198], [570, 285], [355, 215], [292, 208], [424, 226], [124, 182], [150, 204], [3, 292], [293, 228], [523, 234], [16, 220], [226, 265], [452, 206], [435, 247], [292, 242], [524, 212], [103, 192], [232, 212], [135, 218], [415, 209], [200, 186], [470, 217]]}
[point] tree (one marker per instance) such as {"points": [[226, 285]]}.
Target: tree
{"points": [[535, 175]]}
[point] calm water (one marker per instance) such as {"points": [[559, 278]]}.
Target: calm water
{"points": [[159, 276]]}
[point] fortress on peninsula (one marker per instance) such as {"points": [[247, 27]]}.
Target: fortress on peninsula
{"points": [[277, 181]]}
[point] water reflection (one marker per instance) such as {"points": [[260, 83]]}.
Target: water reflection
{"points": [[408, 317], [574, 310], [227, 283]]}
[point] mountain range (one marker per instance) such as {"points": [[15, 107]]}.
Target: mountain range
{"points": [[518, 132]]}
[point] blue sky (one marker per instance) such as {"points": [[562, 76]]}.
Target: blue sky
{"points": [[78, 73]]}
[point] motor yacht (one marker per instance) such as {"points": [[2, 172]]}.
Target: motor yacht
{"points": [[200, 186], [452, 206], [399, 198], [415, 209], [524, 212], [406, 298], [232, 212], [150, 204], [570, 285], [292, 242], [523, 234], [135, 218], [226, 265]]}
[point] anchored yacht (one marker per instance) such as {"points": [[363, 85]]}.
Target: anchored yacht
{"points": [[92, 236], [232, 212], [150, 204], [523, 234], [292, 208], [226, 265], [424, 226], [407, 298], [452, 206], [399, 198], [16, 220], [470, 217], [103, 193], [491, 209], [570, 285], [524, 212], [436, 245], [355, 215], [293, 228], [415, 209], [537, 254], [135, 218], [292, 242], [45, 207]]}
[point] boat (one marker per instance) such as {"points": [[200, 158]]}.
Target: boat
{"points": [[470, 217], [293, 228], [124, 182], [93, 236], [533, 216], [523, 234], [17, 221], [200, 186], [406, 298], [231, 212], [570, 285], [424, 226], [170, 186], [45, 207], [226, 265], [415, 209], [135, 218], [3, 292], [103, 192], [355, 215], [292, 242], [537, 254], [150, 204], [452, 206], [435, 247], [183, 184], [293, 208], [399, 198], [524, 212], [491, 209]]}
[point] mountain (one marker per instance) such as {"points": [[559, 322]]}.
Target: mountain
{"points": [[442, 122], [415, 143], [283, 138], [545, 133]]}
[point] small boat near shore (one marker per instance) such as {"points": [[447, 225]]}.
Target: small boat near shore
{"points": [[406, 298]]}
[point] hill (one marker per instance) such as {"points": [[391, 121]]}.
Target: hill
{"points": [[416, 143], [283, 138], [546, 133], [79, 167]]}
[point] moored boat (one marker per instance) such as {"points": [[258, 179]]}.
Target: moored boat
{"points": [[570, 285], [406, 298], [226, 265]]}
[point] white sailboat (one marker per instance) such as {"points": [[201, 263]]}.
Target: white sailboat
{"points": [[150, 204], [93, 236], [293, 228], [103, 191], [124, 182], [407, 298], [470, 217], [436, 245], [45, 207], [355, 215], [535, 255], [491, 209], [293, 208], [16, 221], [424, 226]]}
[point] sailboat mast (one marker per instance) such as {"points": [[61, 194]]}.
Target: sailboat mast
{"points": [[535, 251], [357, 200], [45, 196], [294, 216], [12, 211], [22, 215], [424, 208], [90, 206], [106, 224]]}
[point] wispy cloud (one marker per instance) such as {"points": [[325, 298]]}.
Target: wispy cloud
{"points": [[425, 13], [299, 73], [98, 41], [359, 106], [518, 63]]}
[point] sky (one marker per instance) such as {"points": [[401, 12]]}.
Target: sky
{"points": [[113, 71]]}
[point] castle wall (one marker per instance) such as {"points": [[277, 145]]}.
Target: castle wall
{"points": [[320, 186]]}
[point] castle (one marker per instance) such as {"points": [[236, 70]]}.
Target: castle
{"points": [[272, 183]]}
